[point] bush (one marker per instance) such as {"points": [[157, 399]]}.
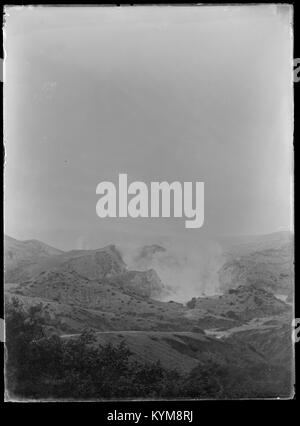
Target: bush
{"points": [[192, 303], [42, 366]]}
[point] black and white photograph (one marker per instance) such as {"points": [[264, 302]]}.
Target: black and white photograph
{"points": [[148, 203]]}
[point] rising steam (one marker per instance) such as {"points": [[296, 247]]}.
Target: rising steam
{"points": [[187, 271]]}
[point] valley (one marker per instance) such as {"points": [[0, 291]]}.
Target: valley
{"points": [[245, 326]]}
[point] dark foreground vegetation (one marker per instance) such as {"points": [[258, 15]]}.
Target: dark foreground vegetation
{"points": [[41, 365]]}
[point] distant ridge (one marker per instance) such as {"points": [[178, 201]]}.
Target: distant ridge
{"points": [[32, 245]]}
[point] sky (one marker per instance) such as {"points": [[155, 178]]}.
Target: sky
{"points": [[197, 93]]}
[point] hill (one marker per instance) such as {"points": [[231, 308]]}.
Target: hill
{"points": [[241, 304], [20, 256], [245, 331], [268, 268]]}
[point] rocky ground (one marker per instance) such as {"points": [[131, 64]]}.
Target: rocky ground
{"points": [[246, 325]]}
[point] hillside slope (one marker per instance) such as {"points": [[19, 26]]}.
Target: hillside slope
{"points": [[265, 262], [242, 304]]}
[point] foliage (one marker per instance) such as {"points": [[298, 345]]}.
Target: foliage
{"points": [[41, 365]]}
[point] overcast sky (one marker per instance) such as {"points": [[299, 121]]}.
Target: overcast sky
{"points": [[160, 93]]}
